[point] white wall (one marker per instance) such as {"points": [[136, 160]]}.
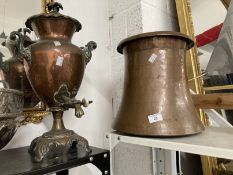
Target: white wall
{"points": [[16, 12], [159, 15], [96, 83], [207, 14]]}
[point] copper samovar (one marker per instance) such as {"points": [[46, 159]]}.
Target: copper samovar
{"points": [[55, 68], [156, 99], [14, 70]]}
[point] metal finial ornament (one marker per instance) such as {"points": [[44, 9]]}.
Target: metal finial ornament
{"points": [[54, 7]]}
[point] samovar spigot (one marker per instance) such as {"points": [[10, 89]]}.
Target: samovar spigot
{"points": [[77, 105]]}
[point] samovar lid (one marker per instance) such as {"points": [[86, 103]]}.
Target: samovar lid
{"points": [[182, 36], [53, 9]]}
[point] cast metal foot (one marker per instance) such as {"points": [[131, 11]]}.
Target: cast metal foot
{"points": [[57, 143]]}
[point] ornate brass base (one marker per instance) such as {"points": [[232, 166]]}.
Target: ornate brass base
{"points": [[58, 142]]}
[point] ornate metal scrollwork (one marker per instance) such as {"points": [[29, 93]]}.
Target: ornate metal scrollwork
{"points": [[52, 140], [54, 7], [63, 97], [23, 52], [87, 50]]}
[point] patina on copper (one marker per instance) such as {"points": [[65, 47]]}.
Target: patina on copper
{"points": [[156, 99], [55, 68]]}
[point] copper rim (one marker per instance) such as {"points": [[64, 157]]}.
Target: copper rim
{"points": [[29, 21], [186, 38]]}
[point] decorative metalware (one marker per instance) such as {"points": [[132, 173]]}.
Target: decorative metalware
{"points": [[156, 99], [14, 70], [16, 77], [55, 68], [44, 5], [11, 105]]}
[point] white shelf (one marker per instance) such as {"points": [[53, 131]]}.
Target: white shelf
{"points": [[214, 141]]}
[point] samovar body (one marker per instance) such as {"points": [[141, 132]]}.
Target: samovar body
{"points": [[57, 66], [156, 99]]}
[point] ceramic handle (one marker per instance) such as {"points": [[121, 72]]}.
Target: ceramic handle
{"points": [[87, 50], [54, 7]]}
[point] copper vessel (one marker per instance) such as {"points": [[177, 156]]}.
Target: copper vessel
{"points": [[55, 68], [14, 70], [156, 99]]}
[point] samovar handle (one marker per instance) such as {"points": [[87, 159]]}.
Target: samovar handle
{"points": [[22, 52], [87, 50]]}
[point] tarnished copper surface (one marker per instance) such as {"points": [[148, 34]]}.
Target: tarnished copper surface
{"points": [[47, 77], [156, 87], [55, 69], [14, 70]]}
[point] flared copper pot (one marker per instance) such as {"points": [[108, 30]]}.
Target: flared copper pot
{"points": [[156, 99]]}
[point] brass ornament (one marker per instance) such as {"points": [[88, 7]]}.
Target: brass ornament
{"points": [[57, 141], [34, 117]]}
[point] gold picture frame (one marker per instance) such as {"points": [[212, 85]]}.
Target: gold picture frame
{"points": [[209, 164]]}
